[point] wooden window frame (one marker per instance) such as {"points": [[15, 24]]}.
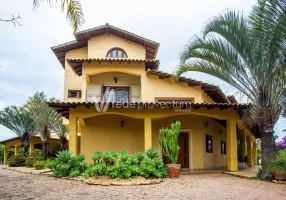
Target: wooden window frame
{"points": [[176, 99], [209, 137], [127, 88], [117, 49], [74, 91], [221, 150]]}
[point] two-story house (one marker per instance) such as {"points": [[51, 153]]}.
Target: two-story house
{"points": [[108, 64]]}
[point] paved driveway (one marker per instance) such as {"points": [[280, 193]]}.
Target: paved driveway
{"points": [[16, 185]]}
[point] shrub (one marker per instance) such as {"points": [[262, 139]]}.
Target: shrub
{"points": [[278, 162], [33, 157], [49, 163], [30, 161], [17, 160], [168, 139], [96, 157], [66, 165], [109, 157], [39, 165]]}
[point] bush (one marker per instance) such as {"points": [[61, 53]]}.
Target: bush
{"points": [[17, 160], [278, 162], [66, 165], [39, 165], [30, 161], [33, 157]]}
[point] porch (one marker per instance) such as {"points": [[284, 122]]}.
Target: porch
{"points": [[210, 131]]}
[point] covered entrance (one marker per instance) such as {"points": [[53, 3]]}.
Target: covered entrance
{"points": [[183, 157]]}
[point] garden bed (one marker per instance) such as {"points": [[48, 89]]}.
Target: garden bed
{"points": [[106, 181]]}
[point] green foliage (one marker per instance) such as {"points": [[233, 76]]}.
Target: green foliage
{"points": [[67, 165], [11, 152], [140, 157], [49, 163], [97, 169], [278, 162], [33, 157], [17, 161], [109, 157], [168, 140], [152, 153], [96, 157], [39, 165]]}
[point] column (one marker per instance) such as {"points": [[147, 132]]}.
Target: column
{"points": [[231, 145], [84, 88], [254, 154], [31, 147], [243, 147], [249, 151], [5, 156], [147, 133], [73, 127], [16, 150]]}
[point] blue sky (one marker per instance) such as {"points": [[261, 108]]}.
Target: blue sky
{"points": [[28, 64]]}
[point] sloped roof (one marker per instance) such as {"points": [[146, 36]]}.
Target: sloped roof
{"points": [[213, 91], [64, 107], [83, 36]]}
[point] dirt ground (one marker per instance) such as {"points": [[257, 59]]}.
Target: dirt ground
{"points": [[16, 185]]}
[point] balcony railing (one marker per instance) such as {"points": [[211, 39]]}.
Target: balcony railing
{"points": [[113, 98]]}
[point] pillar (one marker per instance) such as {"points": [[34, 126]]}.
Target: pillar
{"points": [[5, 156], [84, 89], [147, 133], [249, 151], [31, 147], [73, 129], [16, 150], [231, 145], [243, 147], [254, 153]]}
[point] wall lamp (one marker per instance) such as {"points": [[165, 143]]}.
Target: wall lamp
{"points": [[115, 79], [122, 123]]}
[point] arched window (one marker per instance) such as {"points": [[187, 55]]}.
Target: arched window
{"points": [[116, 53]]}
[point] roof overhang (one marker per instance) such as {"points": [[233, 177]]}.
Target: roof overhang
{"points": [[76, 64], [63, 108], [213, 91], [83, 36]]}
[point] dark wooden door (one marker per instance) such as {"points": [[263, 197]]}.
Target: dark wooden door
{"points": [[183, 157]]}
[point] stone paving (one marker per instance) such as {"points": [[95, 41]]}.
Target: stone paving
{"points": [[16, 185]]}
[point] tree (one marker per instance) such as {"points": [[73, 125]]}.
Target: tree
{"points": [[249, 54], [18, 120], [44, 117], [72, 8], [62, 131]]}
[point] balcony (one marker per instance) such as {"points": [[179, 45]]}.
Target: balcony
{"points": [[114, 98]]}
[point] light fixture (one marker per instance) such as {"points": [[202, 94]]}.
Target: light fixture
{"points": [[206, 123], [115, 79], [122, 123]]}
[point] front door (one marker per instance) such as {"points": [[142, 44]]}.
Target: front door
{"points": [[183, 157]]}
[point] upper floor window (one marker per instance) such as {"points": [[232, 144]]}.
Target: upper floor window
{"points": [[116, 53], [74, 94]]}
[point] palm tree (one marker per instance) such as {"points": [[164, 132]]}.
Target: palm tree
{"points": [[18, 120], [71, 7], [62, 131], [249, 54], [44, 117]]}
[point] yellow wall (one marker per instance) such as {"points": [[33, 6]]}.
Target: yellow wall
{"points": [[105, 133], [73, 81], [99, 46]]}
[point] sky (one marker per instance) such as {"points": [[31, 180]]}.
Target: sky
{"points": [[28, 65]]}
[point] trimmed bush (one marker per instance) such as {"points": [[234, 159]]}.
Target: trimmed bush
{"points": [[39, 165], [17, 161]]}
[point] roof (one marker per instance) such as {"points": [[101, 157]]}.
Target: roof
{"points": [[213, 91], [76, 64], [52, 136], [83, 36], [64, 107]]}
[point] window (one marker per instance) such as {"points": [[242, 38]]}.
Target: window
{"points": [[116, 94], [223, 147], [74, 94], [116, 53], [209, 143]]}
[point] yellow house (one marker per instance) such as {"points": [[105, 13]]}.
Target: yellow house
{"points": [[116, 98]]}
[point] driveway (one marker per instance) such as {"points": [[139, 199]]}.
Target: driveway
{"points": [[16, 185]]}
